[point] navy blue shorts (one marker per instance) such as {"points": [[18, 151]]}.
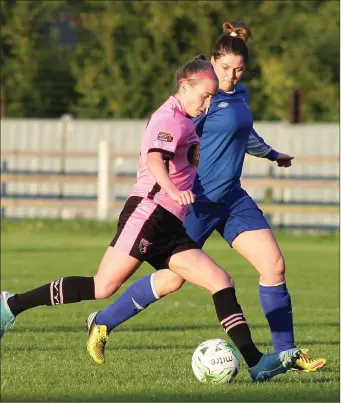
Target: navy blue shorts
{"points": [[229, 219]]}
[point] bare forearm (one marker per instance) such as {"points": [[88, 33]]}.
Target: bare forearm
{"points": [[157, 168]]}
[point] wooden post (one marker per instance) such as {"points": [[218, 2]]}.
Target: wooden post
{"points": [[65, 124], [4, 187], [103, 180], [296, 104], [2, 107], [268, 195]]}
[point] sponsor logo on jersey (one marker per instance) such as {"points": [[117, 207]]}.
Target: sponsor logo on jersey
{"points": [[164, 136], [223, 105]]}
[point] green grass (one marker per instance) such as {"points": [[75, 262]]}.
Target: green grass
{"points": [[149, 357]]}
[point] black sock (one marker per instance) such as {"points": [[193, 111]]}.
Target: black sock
{"points": [[232, 320], [62, 291]]}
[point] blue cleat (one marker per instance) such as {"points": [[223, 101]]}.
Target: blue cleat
{"points": [[274, 364], [7, 317]]}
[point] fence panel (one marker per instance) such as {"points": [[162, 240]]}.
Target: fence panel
{"points": [[49, 167]]}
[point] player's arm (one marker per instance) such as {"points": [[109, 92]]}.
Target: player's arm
{"points": [[156, 166], [162, 145], [257, 147]]}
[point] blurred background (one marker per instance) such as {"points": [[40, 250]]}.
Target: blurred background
{"points": [[80, 78]]}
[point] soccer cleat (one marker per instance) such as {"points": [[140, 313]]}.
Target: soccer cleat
{"points": [[274, 364], [98, 337], [89, 321], [7, 317], [306, 364]]}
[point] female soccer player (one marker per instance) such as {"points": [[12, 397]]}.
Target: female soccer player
{"points": [[151, 229], [226, 134]]}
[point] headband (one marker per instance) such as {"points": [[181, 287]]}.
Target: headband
{"points": [[202, 75]]}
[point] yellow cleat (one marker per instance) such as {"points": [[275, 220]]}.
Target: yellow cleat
{"points": [[306, 364], [98, 337]]}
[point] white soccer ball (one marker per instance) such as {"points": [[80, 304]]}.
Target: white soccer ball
{"points": [[215, 361]]}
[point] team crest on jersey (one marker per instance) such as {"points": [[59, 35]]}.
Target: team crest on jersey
{"points": [[165, 136], [143, 246], [245, 103], [193, 154], [223, 105]]}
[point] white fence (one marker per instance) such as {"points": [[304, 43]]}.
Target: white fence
{"points": [[67, 137]]}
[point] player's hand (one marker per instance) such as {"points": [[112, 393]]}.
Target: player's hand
{"points": [[284, 160], [183, 197]]}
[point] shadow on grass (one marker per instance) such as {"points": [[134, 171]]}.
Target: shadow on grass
{"points": [[138, 347], [180, 328], [142, 347], [248, 393]]}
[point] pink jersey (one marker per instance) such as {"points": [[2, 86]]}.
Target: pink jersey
{"points": [[170, 132]]}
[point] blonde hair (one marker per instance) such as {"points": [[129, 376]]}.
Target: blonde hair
{"points": [[197, 64]]}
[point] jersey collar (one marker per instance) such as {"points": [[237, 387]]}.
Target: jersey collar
{"points": [[177, 104]]}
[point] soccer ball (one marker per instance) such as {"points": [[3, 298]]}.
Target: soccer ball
{"points": [[215, 361]]}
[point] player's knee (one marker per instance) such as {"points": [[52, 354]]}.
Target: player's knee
{"points": [[175, 284], [104, 289], [166, 282], [273, 270], [279, 266], [221, 282], [276, 266]]}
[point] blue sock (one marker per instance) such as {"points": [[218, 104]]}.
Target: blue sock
{"points": [[276, 303], [136, 298]]}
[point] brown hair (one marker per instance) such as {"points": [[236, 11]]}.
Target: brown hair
{"points": [[233, 41], [197, 64]]}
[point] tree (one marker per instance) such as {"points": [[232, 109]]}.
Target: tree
{"points": [[36, 80], [117, 59]]}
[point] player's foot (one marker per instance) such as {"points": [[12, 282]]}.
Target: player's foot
{"points": [[274, 364], [307, 364], [7, 317], [98, 337]]}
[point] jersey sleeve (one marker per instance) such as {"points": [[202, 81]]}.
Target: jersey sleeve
{"points": [[256, 146], [164, 137]]}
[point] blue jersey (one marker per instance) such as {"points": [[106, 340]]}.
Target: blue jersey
{"points": [[226, 134]]}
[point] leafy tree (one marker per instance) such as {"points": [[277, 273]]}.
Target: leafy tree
{"points": [[117, 59], [36, 81]]}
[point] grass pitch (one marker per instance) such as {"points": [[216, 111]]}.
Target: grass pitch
{"points": [[149, 357]]}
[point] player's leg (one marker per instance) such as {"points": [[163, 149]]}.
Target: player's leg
{"points": [[150, 288], [248, 232], [116, 267], [145, 237], [112, 273], [137, 297], [65, 290], [199, 269]]}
